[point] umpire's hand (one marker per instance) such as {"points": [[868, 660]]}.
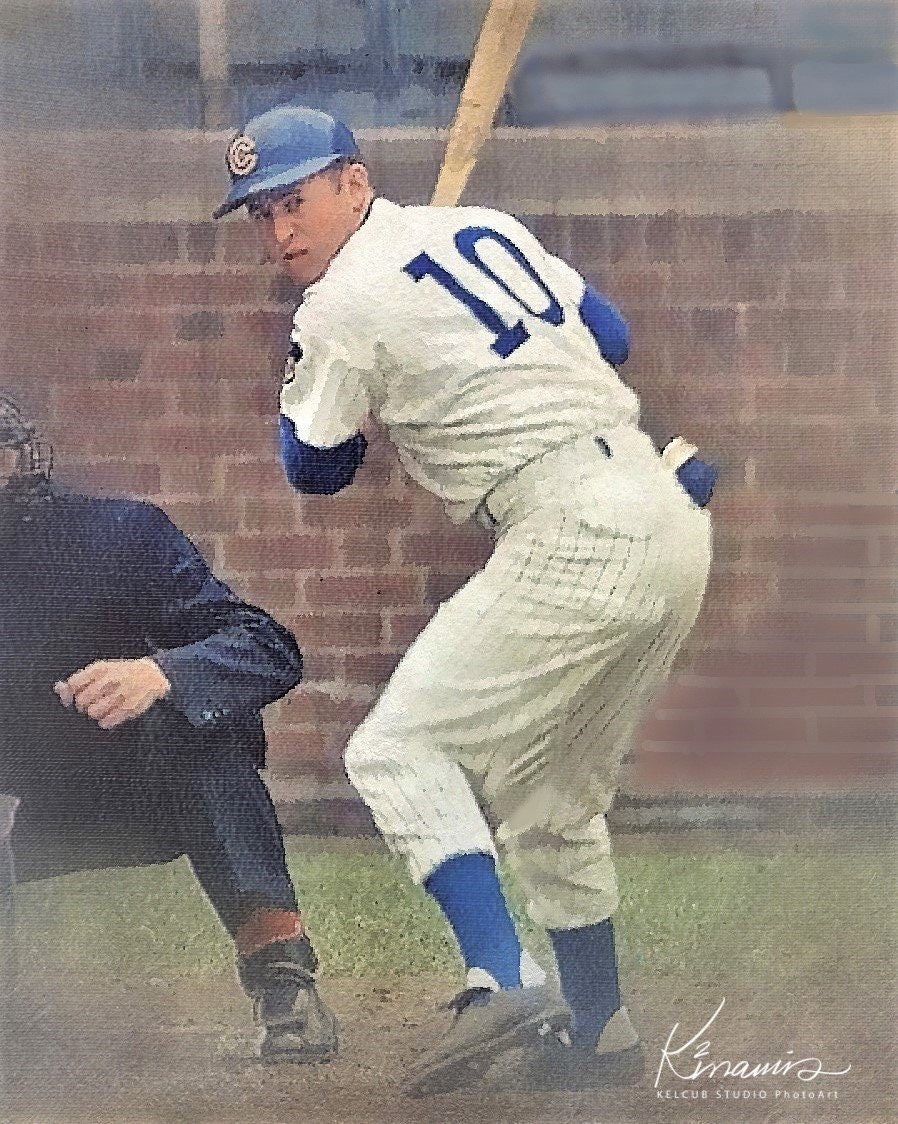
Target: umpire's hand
{"points": [[114, 691]]}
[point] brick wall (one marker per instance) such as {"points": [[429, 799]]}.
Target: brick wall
{"points": [[153, 351]]}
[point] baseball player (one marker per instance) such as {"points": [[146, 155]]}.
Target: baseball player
{"points": [[493, 367], [131, 682]]}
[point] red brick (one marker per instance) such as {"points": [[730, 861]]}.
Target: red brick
{"points": [[242, 242], [249, 398], [103, 407], [714, 328], [815, 284], [732, 588], [702, 237], [277, 594], [888, 550], [118, 364], [294, 742], [699, 287], [232, 436], [188, 476], [201, 400], [274, 514], [808, 627], [82, 243], [762, 772], [886, 694], [209, 545], [788, 397], [203, 516], [338, 630], [869, 282], [663, 237], [745, 508], [684, 696], [841, 515], [857, 729], [363, 508], [469, 550], [439, 587], [813, 241], [802, 551], [582, 243], [754, 727], [19, 246], [888, 628], [852, 664], [672, 730], [280, 552], [211, 290], [807, 697], [203, 325], [645, 286], [862, 237], [403, 628], [234, 359], [364, 550], [263, 328], [313, 707], [371, 591], [320, 667], [199, 241], [836, 590], [728, 664], [112, 478], [147, 242], [373, 668], [256, 476], [379, 464], [624, 238]]}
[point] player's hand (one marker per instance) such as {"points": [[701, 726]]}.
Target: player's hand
{"points": [[114, 691]]}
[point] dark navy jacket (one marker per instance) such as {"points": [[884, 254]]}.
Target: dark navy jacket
{"points": [[83, 579]]}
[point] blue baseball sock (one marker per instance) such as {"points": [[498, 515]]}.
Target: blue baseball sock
{"points": [[587, 967], [467, 890]]}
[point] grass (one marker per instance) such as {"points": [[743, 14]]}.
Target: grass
{"points": [[784, 914]]}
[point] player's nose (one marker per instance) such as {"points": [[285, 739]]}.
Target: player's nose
{"points": [[283, 228]]}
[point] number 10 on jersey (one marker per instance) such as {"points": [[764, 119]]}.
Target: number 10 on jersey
{"points": [[508, 337]]}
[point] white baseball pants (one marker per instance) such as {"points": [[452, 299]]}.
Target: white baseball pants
{"points": [[522, 694]]}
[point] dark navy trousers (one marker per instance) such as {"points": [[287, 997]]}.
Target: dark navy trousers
{"points": [[135, 809]]}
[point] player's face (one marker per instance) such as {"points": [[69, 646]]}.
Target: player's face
{"points": [[305, 228]]}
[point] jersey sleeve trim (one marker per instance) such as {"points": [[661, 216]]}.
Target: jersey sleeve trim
{"points": [[319, 471], [609, 329]]}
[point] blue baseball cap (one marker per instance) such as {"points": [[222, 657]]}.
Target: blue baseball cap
{"points": [[281, 147]]}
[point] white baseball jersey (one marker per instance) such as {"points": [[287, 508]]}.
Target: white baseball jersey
{"points": [[465, 338], [462, 335]]}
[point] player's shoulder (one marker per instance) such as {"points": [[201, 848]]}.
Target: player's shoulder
{"points": [[106, 527], [458, 218]]}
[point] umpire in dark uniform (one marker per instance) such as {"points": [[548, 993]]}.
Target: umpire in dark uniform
{"points": [[131, 682]]}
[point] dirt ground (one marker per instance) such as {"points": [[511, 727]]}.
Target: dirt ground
{"points": [[166, 1052]]}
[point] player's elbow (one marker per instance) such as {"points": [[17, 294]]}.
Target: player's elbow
{"points": [[319, 471]]}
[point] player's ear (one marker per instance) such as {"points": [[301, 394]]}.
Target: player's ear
{"points": [[358, 185]]}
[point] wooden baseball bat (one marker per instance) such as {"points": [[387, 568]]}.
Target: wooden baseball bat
{"points": [[504, 27]]}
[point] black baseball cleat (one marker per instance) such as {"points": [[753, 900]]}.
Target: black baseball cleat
{"points": [[485, 1025], [280, 978]]}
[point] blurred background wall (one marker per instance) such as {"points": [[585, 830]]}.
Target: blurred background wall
{"points": [[724, 171]]}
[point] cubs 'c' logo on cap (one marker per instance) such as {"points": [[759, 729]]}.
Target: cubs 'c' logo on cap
{"points": [[242, 155]]}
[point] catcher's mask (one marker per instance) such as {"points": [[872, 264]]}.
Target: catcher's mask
{"points": [[34, 460]]}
